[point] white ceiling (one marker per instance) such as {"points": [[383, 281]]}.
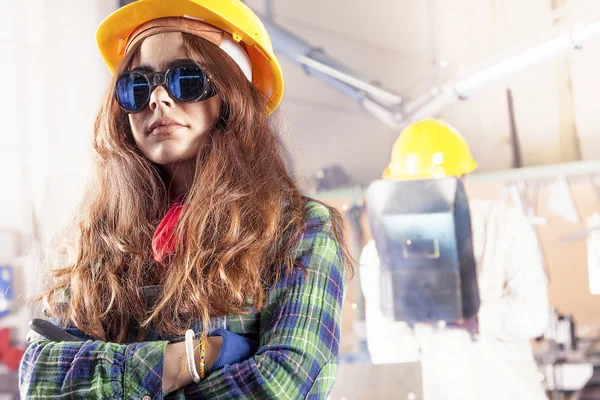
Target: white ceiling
{"points": [[398, 43]]}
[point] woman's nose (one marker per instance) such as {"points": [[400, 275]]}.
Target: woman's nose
{"points": [[160, 96]]}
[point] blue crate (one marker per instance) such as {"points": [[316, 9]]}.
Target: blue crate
{"points": [[6, 289]]}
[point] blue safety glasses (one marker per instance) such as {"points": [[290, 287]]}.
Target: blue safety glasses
{"points": [[184, 81]]}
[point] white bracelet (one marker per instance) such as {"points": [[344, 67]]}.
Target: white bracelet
{"points": [[189, 351]]}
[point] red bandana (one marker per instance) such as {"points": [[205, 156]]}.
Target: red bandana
{"points": [[164, 240]]}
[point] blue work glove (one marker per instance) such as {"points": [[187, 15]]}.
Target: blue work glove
{"points": [[235, 348]]}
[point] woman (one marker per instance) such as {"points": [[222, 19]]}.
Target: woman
{"points": [[192, 222]]}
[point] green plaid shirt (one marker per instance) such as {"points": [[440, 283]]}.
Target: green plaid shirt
{"points": [[298, 333]]}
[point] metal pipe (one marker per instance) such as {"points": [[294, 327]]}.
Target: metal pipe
{"points": [[314, 59], [389, 107], [366, 87], [559, 44], [345, 89], [506, 66], [393, 119], [555, 46]]}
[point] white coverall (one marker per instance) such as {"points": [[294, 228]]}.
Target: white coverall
{"points": [[499, 363]]}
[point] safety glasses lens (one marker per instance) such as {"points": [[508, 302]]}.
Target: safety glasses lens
{"points": [[133, 91], [187, 82]]}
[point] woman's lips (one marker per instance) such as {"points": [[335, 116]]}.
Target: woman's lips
{"points": [[164, 126]]}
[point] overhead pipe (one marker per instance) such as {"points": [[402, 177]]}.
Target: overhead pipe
{"points": [[268, 9], [391, 108], [313, 63], [316, 62], [469, 82], [557, 45]]}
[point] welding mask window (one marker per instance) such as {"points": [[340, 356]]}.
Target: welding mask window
{"points": [[421, 249]]}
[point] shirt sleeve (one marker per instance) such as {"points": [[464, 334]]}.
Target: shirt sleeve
{"points": [[91, 370], [522, 311], [300, 331]]}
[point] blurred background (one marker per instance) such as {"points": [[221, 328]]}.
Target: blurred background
{"points": [[518, 78]]}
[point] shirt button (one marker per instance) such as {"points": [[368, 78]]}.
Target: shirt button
{"points": [[146, 398]]}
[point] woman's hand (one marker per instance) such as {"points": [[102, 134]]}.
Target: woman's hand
{"points": [[176, 360]]}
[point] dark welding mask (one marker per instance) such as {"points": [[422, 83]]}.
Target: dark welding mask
{"points": [[422, 231]]}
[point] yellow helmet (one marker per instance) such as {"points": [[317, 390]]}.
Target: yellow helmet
{"points": [[231, 16], [428, 149]]}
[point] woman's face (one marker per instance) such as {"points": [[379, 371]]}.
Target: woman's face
{"points": [[167, 131]]}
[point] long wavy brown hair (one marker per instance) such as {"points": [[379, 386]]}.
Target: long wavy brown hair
{"points": [[242, 217]]}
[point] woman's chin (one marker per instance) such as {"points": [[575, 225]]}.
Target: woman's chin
{"points": [[167, 156]]}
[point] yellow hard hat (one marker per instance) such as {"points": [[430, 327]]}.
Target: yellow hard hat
{"points": [[231, 16], [428, 149]]}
